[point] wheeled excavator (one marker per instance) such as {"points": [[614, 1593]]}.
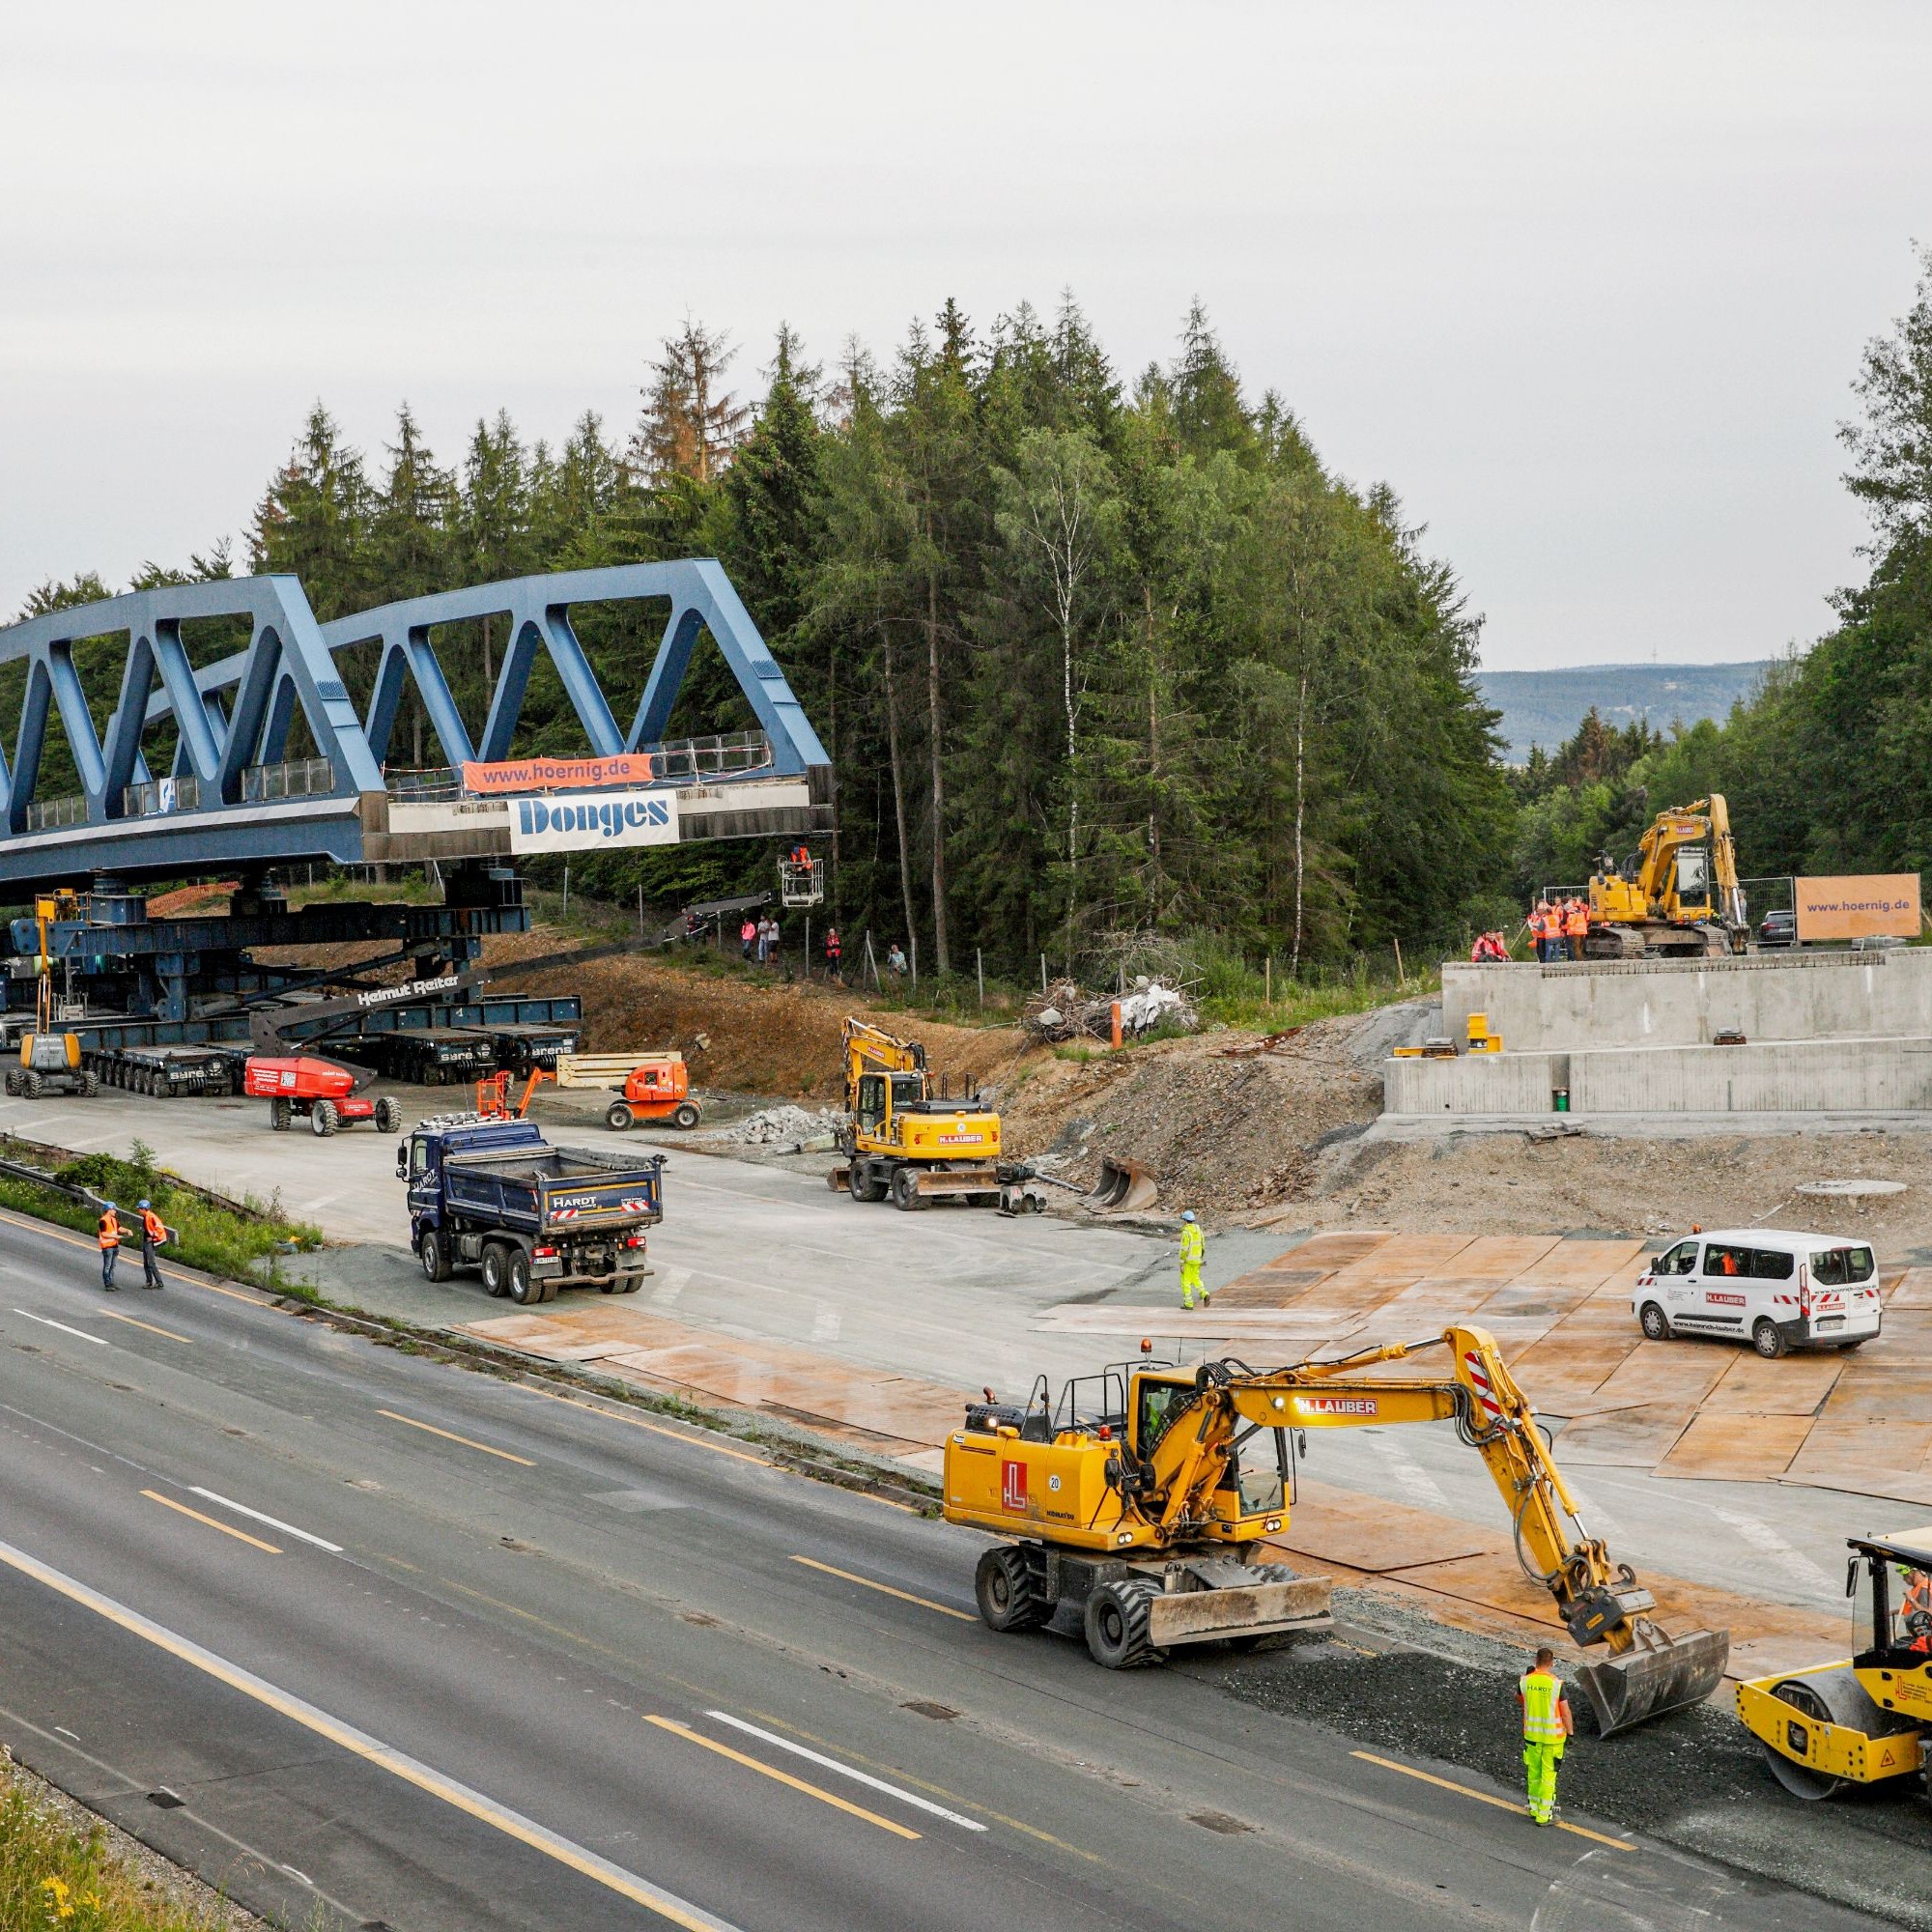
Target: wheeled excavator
{"points": [[1133, 1503], [1660, 903]]}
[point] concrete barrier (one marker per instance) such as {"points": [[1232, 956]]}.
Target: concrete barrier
{"points": [[1826, 1076], [1801, 996]]}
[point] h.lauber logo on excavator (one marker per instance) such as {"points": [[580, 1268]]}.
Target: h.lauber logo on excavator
{"points": [[1012, 1486], [1334, 1404]]}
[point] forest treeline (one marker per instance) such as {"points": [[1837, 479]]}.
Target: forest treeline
{"points": [[1102, 660], [1094, 658], [1827, 767]]}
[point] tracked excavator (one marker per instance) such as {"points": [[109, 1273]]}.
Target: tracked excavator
{"points": [[1678, 897], [1137, 1501]]}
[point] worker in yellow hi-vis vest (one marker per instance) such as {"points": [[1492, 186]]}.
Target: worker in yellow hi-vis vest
{"points": [[1546, 1726], [1193, 1246]]}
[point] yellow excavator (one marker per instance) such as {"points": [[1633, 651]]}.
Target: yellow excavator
{"points": [[1676, 896], [1132, 1500], [1866, 1718], [909, 1138]]}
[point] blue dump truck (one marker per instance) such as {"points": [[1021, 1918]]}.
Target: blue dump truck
{"points": [[495, 1195]]}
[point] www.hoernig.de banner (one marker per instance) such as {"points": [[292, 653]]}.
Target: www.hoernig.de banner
{"points": [[556, 774]]}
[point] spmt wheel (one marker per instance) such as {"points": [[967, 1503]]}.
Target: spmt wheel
{"points": [[1009, 1591], [1117, 1618], [1655, 1323]]}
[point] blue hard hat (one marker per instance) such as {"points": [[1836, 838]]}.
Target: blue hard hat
{"points": [[110, 1207], [1187, 1215], [142, 1203]]}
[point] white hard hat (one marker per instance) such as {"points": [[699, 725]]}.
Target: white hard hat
{"points": [[1187, 1215]]}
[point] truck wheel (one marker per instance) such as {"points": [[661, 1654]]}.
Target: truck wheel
{"points": [[279, 1113], [1767, 1340], [497, 1270], [90, 1083], [523, 1290], [619, 1118], [1117, 1618], [389, 1115], [322, 1118], [686, 1116], [1655, 1323], [628, 1284], [433, 1256], [1008, 1590], [905, 1190]]}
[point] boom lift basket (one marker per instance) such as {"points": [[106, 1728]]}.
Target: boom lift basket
{"points": [[800, 882]]}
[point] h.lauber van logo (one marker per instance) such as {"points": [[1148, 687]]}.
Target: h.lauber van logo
{"points": [[1335, 1405], [1012, 1486]]}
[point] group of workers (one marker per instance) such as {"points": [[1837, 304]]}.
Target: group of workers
{"points": [[1558, 927], [154, 1233]]}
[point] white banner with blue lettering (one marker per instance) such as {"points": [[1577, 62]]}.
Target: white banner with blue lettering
{"points": [[579, 821]]}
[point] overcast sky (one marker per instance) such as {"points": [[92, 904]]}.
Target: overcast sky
{"points": [[1586, 285]]}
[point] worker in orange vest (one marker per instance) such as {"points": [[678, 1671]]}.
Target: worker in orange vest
{"points": [[154, 1232], [1539, 930], [109, 1235], [1576, 927]]}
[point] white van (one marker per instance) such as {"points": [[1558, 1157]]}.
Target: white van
{"points": [[1776, 1290]]}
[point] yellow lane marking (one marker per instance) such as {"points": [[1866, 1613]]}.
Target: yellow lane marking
{"points": [[411, 1770], [1487, 1798], [112, 1316], [831, 1798], [887, 1590], [450, 1436], [656, 1427], [240, 1535]]}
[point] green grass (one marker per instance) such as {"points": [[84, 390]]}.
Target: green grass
{"points": [[233, 1239], [1294, 1005], [55, 1878]]}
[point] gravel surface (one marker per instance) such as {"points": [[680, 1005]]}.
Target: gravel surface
{"points": [[1696, 1779]]}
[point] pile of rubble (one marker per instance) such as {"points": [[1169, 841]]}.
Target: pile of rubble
{"points": [[784, 1126], [1065, 1013]]}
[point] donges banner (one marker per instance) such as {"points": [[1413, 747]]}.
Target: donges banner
{"points": [[1873, 906], [592, 821], [556, 774]]}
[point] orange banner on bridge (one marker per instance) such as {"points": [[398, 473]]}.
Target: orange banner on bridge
{"points": [[556, 774], [1880, 904]]}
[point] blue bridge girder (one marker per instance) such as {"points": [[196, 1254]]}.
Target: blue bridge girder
{"points": [[230, 799]]}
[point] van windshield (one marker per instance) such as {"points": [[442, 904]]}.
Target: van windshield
{"points": [[1840, 1267]]}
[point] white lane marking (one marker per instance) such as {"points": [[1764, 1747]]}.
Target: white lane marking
{"points": [[1795, 1564], [261, 1516], [846, 1770], [90, 1139], [673, 1281], [301, 1878], [826, 1322], [373, 1751], [1411, 1476], [319, 1201], [47, 1322], [66, 1733]]}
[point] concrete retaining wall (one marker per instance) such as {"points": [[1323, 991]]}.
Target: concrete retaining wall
{"points": [[1791, 1076], [1804, 997]]}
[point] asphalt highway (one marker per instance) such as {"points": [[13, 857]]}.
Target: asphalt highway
{"points": [[366, 1637]]}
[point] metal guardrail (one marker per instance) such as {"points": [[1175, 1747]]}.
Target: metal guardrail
{"points": [[682, 761], [300, 777], [47, 814]]}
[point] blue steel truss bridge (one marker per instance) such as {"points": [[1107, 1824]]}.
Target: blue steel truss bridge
{"points": [[261, 759]]}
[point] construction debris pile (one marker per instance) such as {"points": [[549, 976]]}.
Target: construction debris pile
{"points": [[783, 1127], [1065, 1013]]}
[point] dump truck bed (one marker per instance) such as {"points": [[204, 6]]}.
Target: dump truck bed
{"points": [[542, 1190]]}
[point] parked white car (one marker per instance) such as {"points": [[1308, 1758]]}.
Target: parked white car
{"points": [[1769, 1286]]}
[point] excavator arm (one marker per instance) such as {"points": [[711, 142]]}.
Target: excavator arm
{"points": [[867, 1046], [1647, 1671]]}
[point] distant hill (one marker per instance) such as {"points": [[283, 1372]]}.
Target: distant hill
{"points": [[1545, 707]]}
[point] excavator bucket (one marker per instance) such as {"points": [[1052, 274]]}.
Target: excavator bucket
{"points": [[1645, 1682], [1124, 1187]]}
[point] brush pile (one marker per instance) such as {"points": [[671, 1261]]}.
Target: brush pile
{"points": [[1065, 1013]]}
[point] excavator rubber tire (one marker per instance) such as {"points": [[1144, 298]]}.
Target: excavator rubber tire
{"points": [[322, 1118], [1116, 1624], [865, 1184], [389, 1115], [1008, 1590], [905, 1191]]}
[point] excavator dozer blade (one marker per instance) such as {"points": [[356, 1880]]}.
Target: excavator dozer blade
{"points": [[1643, 1684], [1124, 1187]]}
